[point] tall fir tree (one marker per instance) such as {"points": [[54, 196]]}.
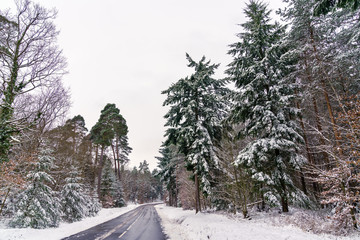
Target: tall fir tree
{"points": [[263, 103], [194, 120]]}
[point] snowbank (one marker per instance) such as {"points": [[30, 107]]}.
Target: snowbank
{"points": [[179, 224], [65, 229]]}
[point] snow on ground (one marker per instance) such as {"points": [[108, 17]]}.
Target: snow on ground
{"points": [[65, 229], [181, 224]]}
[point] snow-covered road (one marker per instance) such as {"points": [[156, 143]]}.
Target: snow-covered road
{"points": [[65, 229], [141, 223]]}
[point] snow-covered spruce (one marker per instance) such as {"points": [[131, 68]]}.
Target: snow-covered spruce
{"points": [[197, 107], [261, 70], [74, 201], [93, 204], [110, 190], [37, 206]]}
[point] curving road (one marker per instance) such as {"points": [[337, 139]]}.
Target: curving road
{"points": [[142, 223]]}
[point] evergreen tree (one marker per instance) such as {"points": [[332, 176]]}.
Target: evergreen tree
{"points": [[196, 109], [73, 198], [118, 196], [325, 6], [68, 140], [131, 184], [145, 190], [167, 165], [263, 103], [111, 190], [156, 185], [120, 145], [93, 204], [37, 206], [111, 127]]}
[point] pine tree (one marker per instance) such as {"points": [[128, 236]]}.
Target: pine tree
{"points": [[263, 103], [196, 110], [111, 127], [68, 140], [73, 198], [37, 206]]}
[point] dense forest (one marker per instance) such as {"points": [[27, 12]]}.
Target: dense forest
{"points": [[281, 130], [287, 133]]}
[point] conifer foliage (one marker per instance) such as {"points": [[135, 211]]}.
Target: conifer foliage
{"points": [[73, 198], [194, 121], [110, 130], [167, 164], [263, 103], [325, 6], [37, 206], [111, 190]]}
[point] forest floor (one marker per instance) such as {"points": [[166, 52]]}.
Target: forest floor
{"points": [[181, 224]]}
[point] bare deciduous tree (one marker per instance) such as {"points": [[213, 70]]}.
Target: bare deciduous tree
{"points": [[29, 58]]}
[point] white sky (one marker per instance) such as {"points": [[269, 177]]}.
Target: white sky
{"points": [[127, 52]]}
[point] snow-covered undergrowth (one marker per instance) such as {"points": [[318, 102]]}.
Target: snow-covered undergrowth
{"points": [[317, 222], [179, 224], [65, 229]]}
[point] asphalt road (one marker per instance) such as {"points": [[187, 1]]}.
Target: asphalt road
{"points": [[142, 223]]}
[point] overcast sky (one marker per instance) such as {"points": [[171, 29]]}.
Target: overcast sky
{"points": [[127, 52]]}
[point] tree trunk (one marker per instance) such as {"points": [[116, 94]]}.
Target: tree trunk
{"points": [[7, 110], [284, 204], [242, 196], [284, 199], [176, 198], [283, 193], [317, 115], [331, 114], [100, 170], [96, 154], [118, 157], [197, 194], [116, 169], [263, 204], [3, 204], [326, 94], [170, 198], [303, 182], [353, 217], [308, 154]]}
